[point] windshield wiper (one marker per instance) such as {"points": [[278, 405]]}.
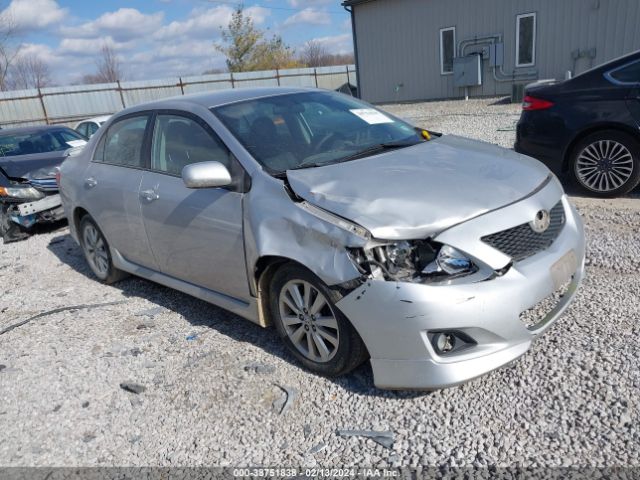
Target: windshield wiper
{"points": [[308, 165], [380, 147]]}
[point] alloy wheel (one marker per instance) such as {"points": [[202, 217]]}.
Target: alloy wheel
{"points": [[95, 250], [604, 165], [309, 321]]}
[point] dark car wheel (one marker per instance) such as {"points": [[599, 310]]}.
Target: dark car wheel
{"points": [[606, 163], [313, 329], [97, 253]]}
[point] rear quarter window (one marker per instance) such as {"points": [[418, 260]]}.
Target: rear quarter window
{"points": [[628, 74]]}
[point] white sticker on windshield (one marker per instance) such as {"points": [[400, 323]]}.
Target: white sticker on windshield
{"points": [[371, 116], [76, 143]]}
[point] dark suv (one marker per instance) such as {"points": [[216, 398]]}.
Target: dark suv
{"points": [[587, 127]]}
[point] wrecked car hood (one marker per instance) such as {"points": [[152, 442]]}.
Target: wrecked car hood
{"points": [[33, 166], [418, 191]]}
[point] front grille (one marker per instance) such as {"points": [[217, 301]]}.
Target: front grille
{"points": [[45, 184], [522, 241]]}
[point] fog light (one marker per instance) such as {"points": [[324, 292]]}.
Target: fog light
{"points": [[444, 342]]}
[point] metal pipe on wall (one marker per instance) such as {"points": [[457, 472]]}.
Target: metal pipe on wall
{"points": [[489, 40]]}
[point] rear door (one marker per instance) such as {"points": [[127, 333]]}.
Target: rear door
{"points": [[195, 235], [111, 188]]}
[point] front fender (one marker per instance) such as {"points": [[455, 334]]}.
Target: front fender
{"points": [[275, 225]]}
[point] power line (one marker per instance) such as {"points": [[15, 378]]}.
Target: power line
{"points": [[238, 4]]}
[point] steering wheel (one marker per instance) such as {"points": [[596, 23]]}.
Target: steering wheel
{"points": [[330, 137]]}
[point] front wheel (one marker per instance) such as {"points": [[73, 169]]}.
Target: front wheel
{"points": [[312, 328], [606, 163], [96, 252]]}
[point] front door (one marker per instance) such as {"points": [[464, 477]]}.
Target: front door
{"points": [[195, 234]]}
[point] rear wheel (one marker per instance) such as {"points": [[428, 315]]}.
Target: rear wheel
{"points": [[606, 163], [311, 326], [96, 252]]}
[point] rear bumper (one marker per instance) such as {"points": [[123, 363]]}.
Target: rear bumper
{"points": [[535, 139], [395, 320]]}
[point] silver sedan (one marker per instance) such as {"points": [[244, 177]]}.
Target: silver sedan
{"points": [[357, 235]]}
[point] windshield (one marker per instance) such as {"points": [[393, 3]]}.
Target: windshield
{"points": [[311, 129], [39, 142]]}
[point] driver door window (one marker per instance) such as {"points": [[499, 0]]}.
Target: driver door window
{"points": [[179, 141]]}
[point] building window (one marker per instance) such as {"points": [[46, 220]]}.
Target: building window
{"points": [[526, 40], [447, 49]]}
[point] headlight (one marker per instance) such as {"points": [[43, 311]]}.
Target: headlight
{"points": [[22, 193], [418, 260], [453, 262]]}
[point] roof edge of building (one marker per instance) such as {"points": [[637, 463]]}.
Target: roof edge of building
{"points": [[351, 3]]}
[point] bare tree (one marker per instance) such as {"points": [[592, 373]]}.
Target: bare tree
{"points": [[28, 71], [109, 68], [313, 54], [8, 44]]}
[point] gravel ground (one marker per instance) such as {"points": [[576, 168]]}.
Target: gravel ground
{"points": [[214, 385], [489, 120]]}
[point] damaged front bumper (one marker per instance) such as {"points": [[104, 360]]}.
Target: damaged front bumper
{"points": [[398, 321], [18, 217]]}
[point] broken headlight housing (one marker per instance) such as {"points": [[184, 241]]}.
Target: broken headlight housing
{"points": [[451, 261], [21, 193], [416, 261]]}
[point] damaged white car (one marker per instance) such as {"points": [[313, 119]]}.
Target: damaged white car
{"points": [[355, 234]]}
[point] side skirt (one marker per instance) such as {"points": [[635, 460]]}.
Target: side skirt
{"points": [[248, 310]]}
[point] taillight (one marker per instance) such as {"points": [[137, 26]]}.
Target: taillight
{"points": [[58, 176], [533, 103]]}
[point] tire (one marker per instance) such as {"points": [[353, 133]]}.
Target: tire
{"points": [[606, 163], [97, 253], [298, 334]]}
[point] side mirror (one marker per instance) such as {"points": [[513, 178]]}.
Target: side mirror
{"points": [[206, 175]]}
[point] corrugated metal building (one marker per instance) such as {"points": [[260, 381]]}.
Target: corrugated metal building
{"points": [[432, 49]]}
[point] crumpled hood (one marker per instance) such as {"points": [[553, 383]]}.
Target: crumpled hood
{"points": [[421, 190], [33, 166]]}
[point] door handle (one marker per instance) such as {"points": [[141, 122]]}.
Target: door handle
{"points": [[149, 195], [90, 182]]}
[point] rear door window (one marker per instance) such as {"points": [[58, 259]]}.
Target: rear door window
{"points": [[123, 143]]}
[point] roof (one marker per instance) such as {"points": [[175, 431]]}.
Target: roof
{"points": [[350, 3], [222, 97], [31, 130], [103, 118]]}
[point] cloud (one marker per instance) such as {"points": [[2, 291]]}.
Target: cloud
{"points": [[309, 3], [33, 14], [338, 43], [90, 47], [123, 24], [308, 16], [207, 22]]}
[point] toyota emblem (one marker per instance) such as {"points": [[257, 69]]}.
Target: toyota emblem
{"points": [[541, 221]]}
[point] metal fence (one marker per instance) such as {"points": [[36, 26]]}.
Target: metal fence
{"points": [[67, 105]]}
